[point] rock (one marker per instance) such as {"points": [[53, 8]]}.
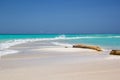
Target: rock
{"points": [[66, 47], [115, 52], [87, 47]]}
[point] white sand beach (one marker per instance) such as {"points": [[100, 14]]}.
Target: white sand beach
{"points": [[59, 63]]}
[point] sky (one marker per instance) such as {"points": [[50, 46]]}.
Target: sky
{"points": [[59, 16]]}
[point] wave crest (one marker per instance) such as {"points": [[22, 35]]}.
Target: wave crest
{"points": [[61, 37]]}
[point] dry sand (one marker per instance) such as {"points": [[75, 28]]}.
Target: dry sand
{"points": [[60, 64]]}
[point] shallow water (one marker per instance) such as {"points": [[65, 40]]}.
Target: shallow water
{"points": [[106, 41]]}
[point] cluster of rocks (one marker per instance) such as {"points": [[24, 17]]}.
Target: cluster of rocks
{"points": [[97, 48]]}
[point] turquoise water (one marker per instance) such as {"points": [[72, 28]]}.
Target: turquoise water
{"points": [[9, 37], [108, 41]]}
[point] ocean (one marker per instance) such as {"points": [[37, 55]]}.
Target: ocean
{"points": [[106, 41]]}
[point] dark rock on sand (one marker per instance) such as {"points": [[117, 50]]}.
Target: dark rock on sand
{"points": [[87, 47], [66, 47], [115, 52]]}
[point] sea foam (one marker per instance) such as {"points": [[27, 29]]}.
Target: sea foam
{"points": [[62, 44], [5, 52]]}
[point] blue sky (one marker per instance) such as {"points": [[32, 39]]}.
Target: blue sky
{"points": [[59, 16]]}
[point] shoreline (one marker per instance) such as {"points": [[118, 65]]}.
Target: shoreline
{"points": [[52, 62], [8, 41]]}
